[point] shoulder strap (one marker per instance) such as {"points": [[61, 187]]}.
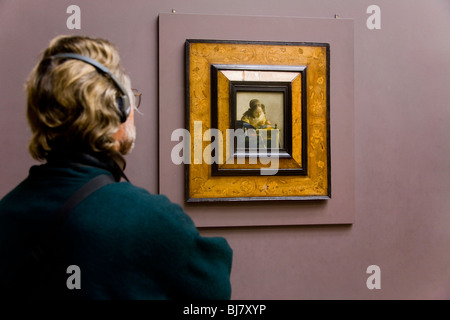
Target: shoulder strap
{"points": [[61, 216], [82, 193], [29, 279]]}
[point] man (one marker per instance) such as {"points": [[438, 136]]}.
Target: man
{"points": [[64, 234]]}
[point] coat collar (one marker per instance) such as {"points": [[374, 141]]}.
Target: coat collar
{"points": [[115, 164]]}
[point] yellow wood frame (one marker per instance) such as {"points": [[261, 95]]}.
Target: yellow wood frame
{"points": [[201, 185]]}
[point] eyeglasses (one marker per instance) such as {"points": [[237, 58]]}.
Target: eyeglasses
{"points": [[137, 97]]}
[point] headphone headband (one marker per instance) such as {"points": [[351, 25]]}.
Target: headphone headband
{"points": [[123, 101]]}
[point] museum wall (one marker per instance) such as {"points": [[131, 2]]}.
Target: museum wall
{"points": [[401, 140]]}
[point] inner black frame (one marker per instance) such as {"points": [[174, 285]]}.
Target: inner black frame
{"points": [[259, 86]]}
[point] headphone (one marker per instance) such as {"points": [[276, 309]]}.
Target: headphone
{"points": [[123, 100]]}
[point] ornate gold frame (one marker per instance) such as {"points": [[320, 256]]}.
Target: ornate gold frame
{"points": [[207, 102]]}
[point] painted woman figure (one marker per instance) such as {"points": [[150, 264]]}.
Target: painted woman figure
{"points": [[256, 114]]}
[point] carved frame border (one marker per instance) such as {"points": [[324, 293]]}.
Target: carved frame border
{"points": [[201, 55]]}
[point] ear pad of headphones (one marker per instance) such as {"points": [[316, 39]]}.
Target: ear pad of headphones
{"points": [[124, 106]]}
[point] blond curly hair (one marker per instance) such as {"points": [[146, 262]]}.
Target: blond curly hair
{"points": [[69, 103]]}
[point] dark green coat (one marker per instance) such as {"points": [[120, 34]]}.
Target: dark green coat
{"points": [[128, 243]]}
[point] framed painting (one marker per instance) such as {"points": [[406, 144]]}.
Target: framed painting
{"points": [[259, 112]]}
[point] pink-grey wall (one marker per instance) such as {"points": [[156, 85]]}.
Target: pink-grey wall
{"points": [[402, 141]]}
